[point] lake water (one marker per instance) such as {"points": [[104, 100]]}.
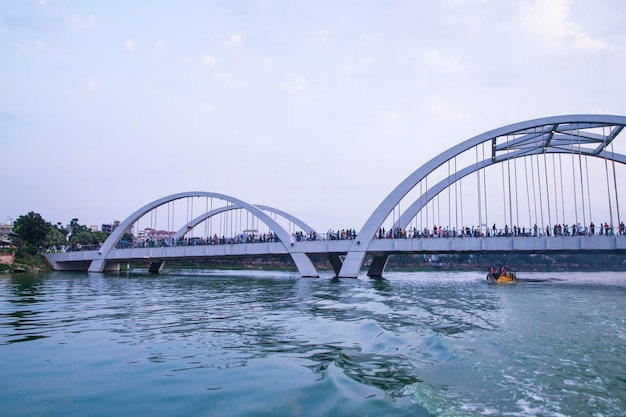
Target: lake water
{"points": [[210, 343]]}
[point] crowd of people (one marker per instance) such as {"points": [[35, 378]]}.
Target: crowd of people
{"points": [[556, 230], [351, 234]]}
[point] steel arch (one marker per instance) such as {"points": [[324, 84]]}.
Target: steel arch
{"points": [[193, 223], [302, 261], [544, 135]]}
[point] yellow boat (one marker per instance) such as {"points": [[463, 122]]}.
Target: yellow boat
{"points": [[502, 277]]}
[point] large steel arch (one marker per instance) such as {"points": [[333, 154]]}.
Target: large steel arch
{"points": [[445, 183], [538, 136], [302, 261], [193, 223]]}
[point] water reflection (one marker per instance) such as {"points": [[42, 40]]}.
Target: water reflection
{"points": [[377, 332], [19, 320]]}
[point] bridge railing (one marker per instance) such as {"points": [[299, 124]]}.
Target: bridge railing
{"points": [[351, 234], [490, 232]]}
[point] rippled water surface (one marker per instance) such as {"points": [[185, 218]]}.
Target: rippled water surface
{"points": [[208, 343]]}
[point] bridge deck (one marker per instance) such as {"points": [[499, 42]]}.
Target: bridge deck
{"points": [[80, 260]]}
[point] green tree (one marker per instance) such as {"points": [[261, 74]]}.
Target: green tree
{"points": [[77, 228], [83, 235], [31, 230], [57, 235]]}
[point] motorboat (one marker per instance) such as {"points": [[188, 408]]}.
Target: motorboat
{"points": [[502, 276]]}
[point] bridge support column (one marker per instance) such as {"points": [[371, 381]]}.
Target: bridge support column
{"points": [[378, 266], [304, 265], [352, 264], [101, 265], [156, 267], [97, 265], [335, 262]]}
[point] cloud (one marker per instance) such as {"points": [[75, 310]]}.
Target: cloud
{"points": [[235, 40], [228, 79], [390, 121], [89, 86], [208, 60], [225, 78], [319, 39], [435, 66], [81, 22], [129, 46], [160, 45], [548, 19], [304, 92], [7, 118], [207, 105], [351, 64]]}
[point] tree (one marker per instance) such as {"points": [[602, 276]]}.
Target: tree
{"points": [[31, 230], [83, 235], [57, 235]]}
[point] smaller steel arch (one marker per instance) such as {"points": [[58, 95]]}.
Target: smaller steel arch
{"points": [[302, 261], [193, 223]]}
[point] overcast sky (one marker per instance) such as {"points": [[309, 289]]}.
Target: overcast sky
{"points": [[318, 108]]}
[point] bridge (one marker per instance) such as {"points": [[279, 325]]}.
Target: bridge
{"points": [[543, 181]]}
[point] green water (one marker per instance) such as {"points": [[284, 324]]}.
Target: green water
{"points": [[209, 343]]}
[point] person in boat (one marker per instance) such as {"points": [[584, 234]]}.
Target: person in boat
{"points": [[503, 271]]}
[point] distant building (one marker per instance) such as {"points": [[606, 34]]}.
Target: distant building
{"points": [[109, 228], [149, 233], [94, 228], [5, 232]]}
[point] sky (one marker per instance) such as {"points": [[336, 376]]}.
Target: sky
{"points": [[317, 108]]}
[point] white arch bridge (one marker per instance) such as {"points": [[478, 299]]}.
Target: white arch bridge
{"points": [[548, 185]]}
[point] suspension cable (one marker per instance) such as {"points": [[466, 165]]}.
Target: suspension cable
{"points": [[532, 173], [508, 177], [421, 211], [588, 188], [545, 173], [606, 168], [426, 205], [456, 198], [556, 194], [574, 181], [530, 222], [206, 224], [539, 184], [479, 196], [562, 192], [619, 220], [438, 210], [516, 191], [449, 199], [503, 193], [580, 170], [485, 188]]}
